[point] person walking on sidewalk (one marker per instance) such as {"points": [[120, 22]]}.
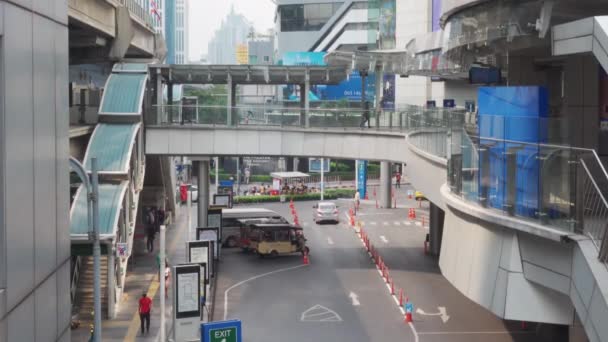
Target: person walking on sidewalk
{"points": [[398, 180], [145, 305], [365, 115]]}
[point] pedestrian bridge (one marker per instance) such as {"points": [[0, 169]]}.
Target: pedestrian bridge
{"points": [[520, 268]]}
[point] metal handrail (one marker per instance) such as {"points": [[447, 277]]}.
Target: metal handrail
{"points": [[75, 278]]}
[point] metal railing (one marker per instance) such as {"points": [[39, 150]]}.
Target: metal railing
{"points": [[75, 277]]}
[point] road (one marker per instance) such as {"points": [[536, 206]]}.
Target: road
{"points": [[340, 296]]}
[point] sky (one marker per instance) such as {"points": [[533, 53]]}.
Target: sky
{"points": [[206, 16]]}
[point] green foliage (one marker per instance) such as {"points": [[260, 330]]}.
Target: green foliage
{"points": [[329, 194], [215, 95]]}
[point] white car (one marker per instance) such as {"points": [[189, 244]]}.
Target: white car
{"points": [[325, 211]]}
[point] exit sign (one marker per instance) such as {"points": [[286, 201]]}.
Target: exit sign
{"points": [[223, 335], [223, 331]]}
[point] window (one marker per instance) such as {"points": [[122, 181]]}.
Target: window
{"points": [[266, 58], [253, 59], [308, 17]]}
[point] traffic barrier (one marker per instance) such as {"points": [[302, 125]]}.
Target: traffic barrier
{"points": [[408, 313]]}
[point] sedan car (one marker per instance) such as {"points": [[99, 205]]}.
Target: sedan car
{"points": [[325, 211]]}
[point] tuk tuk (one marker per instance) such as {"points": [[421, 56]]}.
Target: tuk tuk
{"points": [[250, 234], [276, 239]]}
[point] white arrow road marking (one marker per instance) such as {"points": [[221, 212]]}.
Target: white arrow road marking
{"points": [[353, 296], [407, 223], [442, 313], [319, 313], [383, 238], [396, 223], [330, 241]]}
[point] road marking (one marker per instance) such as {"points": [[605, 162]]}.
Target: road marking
{"points": [[396, 223], [319, 313], [416, 338], [408, 223], [383, 238], [475, 332], [442, 313], [374, 223], [250, 279], [385, 223], [418, 223], [355, 299], [330, 241]]}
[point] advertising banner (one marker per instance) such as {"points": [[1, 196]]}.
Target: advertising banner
{"points": [[362, 177]]}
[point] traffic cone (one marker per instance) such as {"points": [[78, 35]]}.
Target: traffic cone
{"points": [[291, 205], [392, 287], [408, 314], [400, 297], [409, 195], [366, 197], [305, 257]]}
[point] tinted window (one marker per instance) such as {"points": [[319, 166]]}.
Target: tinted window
{"points": [[308, 17]]}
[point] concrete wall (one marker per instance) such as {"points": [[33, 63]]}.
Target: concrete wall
{"points": [[34, 190]]}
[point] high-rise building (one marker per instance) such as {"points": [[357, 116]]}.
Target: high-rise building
{"points": [[181, 31], [232, 33], [327, 25], [170, 30]]}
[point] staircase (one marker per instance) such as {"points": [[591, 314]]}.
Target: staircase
{"points": [[83, 304]]}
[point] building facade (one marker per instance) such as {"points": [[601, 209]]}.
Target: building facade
{"points": [[34, 173], [312, 25], [181, 31]]}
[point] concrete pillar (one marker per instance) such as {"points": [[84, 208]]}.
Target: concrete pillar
{"points": [[202, 169], [306, 99], [385, 184], [159, 97], [436, 219], [231, 88], [111, 281], [302, 105]]}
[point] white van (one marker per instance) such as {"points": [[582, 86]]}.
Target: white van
{"points": [[231, 226]]}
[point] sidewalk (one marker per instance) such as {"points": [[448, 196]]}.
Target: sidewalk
{"points": [[142, 276]]}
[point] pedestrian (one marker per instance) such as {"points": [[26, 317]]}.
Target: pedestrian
{"points": [[357, 200], [247, 175], [365, 115], [398, 180], [167, 278], [145, 305]]}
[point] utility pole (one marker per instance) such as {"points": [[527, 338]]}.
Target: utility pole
{"points": [[322, 183]]}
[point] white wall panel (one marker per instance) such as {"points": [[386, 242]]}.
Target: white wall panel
{"points": [[46, 318], [19, 169], [62, 143], [22, 314], [45, 210]]}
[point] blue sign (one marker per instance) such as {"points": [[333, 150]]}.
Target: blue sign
{"points": [[303, 58], [314, 165], [449, 103], [222, 331], [362, 178], [409, 307], [226, 183]]}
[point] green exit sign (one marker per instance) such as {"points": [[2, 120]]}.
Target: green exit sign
{"points": [[223, 335]]}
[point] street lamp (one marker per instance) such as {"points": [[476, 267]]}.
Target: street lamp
{"points": [[92, 186]]}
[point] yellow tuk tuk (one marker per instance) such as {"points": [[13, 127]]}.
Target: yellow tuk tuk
{"points": [[276, 239]]}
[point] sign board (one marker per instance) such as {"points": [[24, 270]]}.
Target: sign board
{"points": [[122, 249], [223, 200], [431, 104], [187, 290], [214, 219], [449, 103], [209, 234], [409, 307], [199, 252], [222, 331], [314, 165], [362, 177]]}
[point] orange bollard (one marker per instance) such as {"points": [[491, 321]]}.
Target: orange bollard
{"points": [[392, 287], [306, 261], [376, 204], [400, 297], [413, 214], [408, 314], [366, 197]]}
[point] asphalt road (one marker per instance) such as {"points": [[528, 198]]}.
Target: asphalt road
{"points": [[318, 302]]}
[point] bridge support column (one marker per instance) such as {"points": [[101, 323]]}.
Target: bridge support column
{"points": [[379, 94], [306, 99], [436, 219], [231, 88], [202, 170], [385, 184]]}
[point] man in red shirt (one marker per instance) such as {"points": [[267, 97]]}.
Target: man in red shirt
{"points": [[145, 304]]}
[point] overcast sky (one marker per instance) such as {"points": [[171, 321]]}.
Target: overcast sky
{"points": [[206, 16]]}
